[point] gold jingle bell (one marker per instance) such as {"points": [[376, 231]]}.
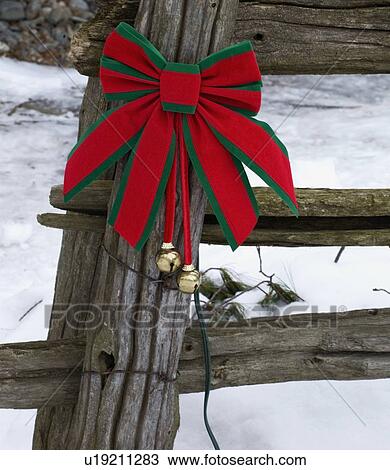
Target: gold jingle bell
{"points": [[188, 279], [168, 259]]}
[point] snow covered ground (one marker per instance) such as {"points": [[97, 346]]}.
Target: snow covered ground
{"points": [[335, 130]]}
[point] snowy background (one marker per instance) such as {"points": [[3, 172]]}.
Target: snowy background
{"points": [[336, 130]]}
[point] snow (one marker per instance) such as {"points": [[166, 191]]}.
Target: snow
{"points": [[293, 415], [15, 233], [335, 130]]}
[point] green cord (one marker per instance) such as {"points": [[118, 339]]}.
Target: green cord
{"points": [[207, 368]]}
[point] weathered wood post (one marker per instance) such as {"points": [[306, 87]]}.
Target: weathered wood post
{"points": [[135, 406]]}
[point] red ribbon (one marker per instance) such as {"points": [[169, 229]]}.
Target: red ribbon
{"points": [[175, 112]]}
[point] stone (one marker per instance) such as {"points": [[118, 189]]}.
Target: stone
{"points": [[11, 10], [4, 47], [33, 9], [79, 7], [85, 15], [45, 12], [53, 21], [58, 14], [60, 35], [9, 37]]}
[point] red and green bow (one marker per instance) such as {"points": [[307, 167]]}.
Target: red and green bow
{"points": [[173, 111]]}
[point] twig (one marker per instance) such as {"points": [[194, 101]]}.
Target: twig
{"points": [[217, 306], [381, 290], [340, 252], [272, 285], [140, 273], [234, 297], [210, 269], [258, 248], [29, 310]]}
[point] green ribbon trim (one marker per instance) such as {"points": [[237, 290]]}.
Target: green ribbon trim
{"points": [[248, 187], [245, 112], [256, 169], [255, 86], [126, 147], [159, 195], [116, 66], [128, 96], [122, 185], [235, 49], [207, 187], [178, 108], [91, 128], [192, 69], [128, 32], [268, 129]]}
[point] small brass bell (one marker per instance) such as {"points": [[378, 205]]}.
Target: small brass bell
{"points": [[168, 259], [188, 279]]}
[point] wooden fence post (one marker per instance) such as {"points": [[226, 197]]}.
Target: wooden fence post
{"points": [[135, 406]]}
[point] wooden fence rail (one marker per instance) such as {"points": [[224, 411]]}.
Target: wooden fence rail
{"points": [[331, 36], [328, 217], [328, 346], [313, 202]]}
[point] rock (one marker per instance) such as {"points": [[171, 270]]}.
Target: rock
{"points": [[83, 16], [4, 47], [45, 12], [33, 9], [60, 35], [79, 7], [58, 14], [52, 21], [43, 106], [11, 10], [8, 36]]}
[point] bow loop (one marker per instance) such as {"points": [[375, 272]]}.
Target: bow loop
{"points": [[231, 77], [130, 66]]}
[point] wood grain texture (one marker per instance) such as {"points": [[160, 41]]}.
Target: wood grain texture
{"points": [[317, 36], [312, 202], [133, 410], [305, 236], [352, 345], [73, 221], [75, 284], [328, 217], [269, 231], [41, 374], [289, 36]]}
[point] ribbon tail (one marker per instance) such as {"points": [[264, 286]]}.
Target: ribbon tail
{"points": [[105, 142], [254, 144], [223, 179], [144, 180]]}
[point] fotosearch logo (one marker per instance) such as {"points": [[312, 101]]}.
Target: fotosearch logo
{"points": [[145, 316]]}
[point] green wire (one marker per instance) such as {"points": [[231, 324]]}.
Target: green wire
{"points": [[207, 368]]}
